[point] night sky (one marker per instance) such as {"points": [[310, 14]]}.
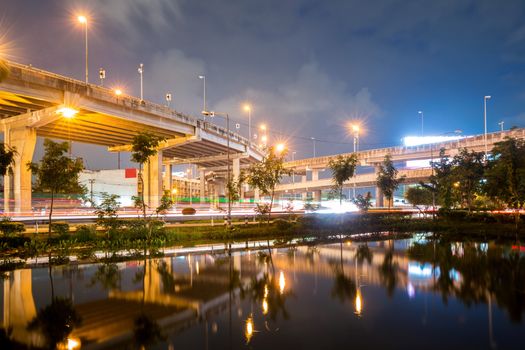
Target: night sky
{"points": [[307, 67]]}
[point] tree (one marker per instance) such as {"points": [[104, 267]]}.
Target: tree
{"points": [[166, 202], [387, 179], [7, 158], [57, 173], [143, 147], [343, 168], [467, 173], [419, 195], [363, 202], [266, 174], [505, 174], [107, 211], [441, 181]]}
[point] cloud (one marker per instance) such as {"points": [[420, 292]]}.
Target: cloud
{"points": [[174, 72], [134, 16], [313, 103]]}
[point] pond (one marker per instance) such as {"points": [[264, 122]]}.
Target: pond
{"points": [[404, 294]]}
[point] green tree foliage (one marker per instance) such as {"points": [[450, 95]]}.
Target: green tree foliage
{"points": [[387, 179], [441, 181], [107, 210], [419, 196], [144, 146], [56, 321], [505, 173], [467, 172], [7, 158], [343, 168], [57, 173], [166, 202], [363, 202], [266, 174]]}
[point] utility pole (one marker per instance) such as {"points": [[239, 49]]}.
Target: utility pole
{"points": [[91, 182]]}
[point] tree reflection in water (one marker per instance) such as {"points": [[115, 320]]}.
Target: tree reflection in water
{"points": [[344, 288], [474, 272], [108, 276], [388, 272]]}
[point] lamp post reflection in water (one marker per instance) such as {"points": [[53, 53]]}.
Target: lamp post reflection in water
{"points": [[248, 329], [358, 302], [282, 282]]}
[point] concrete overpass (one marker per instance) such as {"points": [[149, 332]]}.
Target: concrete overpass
{"points": [[374, 157], [32, 103]]}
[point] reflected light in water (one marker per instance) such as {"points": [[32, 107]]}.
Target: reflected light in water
{"points": [[248, 331], [197, 267], [264, 307], [358, 303], [282, 282], [70, 344], [265, 291]]}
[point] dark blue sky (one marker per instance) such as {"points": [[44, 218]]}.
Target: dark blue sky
{"points": [[307, 67]]}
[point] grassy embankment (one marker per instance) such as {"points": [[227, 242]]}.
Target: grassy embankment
{"points": [[135, 235]]}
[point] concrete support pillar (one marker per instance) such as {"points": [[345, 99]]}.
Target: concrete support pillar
{"points": [[153, 180], [17, 185], [317, 195], [315, 174], [202, 186], [167, 179], [256, 195], [236, 168], [304, 195]]}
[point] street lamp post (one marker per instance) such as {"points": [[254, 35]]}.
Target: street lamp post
{"points": [[501, 125], [141, 71], [313, 140], [203, 77], [485, 98], [83, 19], [228, 171], [355, 129], [422, 118], [248, 109]]}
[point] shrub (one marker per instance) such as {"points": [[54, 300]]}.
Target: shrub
{"points": [[188, 211], [10, 228], [86, 233], [60, 227], [282, 225]]}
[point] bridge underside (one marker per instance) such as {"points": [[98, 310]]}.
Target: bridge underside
{"points": [[32, 105]]}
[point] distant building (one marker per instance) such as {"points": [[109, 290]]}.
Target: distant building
{"points": [[124, 183]]}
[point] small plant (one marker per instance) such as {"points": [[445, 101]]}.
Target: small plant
{"points": [[60, 227], [363, 202], [10, 228]]}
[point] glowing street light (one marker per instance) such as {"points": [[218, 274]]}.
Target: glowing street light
{"points": [[265, 307], [67, 112], [280, 147], [264, 137], [83, 20]]}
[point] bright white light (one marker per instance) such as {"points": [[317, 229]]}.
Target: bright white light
{"points": [[410, 141], [333, 207], [416, 164], [67, 112]]}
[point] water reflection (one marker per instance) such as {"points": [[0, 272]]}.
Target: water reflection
{"points": [[262, 297]]}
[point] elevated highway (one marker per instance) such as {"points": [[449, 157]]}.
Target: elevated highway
{"points": [[374, 157], [34, 102]]}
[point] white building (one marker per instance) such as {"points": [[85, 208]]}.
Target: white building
{"points": [[122, 182]]}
